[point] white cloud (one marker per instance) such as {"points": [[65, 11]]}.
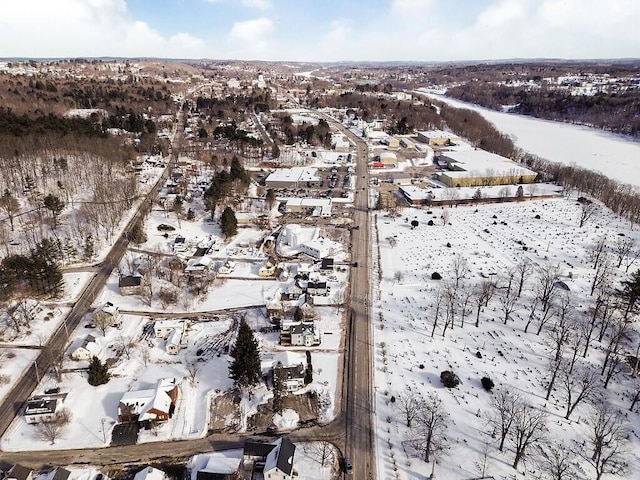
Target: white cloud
{"points": [[69, 28], [252, 31], [259, 4]]}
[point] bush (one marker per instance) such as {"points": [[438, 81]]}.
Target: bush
{"points": [[430, 223], [487, 383], [436, 276], [478, 354], [449, 379]]}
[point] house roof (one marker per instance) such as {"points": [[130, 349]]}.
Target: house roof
{"points": [[57, 473], [149, 473], [281, 457], [174, 337], [141, 402], [18, 472], [257, 449], [41, 406], [130, 281]]}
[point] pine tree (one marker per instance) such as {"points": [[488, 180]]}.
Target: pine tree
{"points": [[245, 368], [98, 372], [89, 248], [308, 373], [228, 222]]}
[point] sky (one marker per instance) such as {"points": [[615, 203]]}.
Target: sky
{"points": [[321, 30]]}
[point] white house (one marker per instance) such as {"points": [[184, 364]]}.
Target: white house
{"points": [[109, 315], [156, 404], [173, 331], [88, 349], [163, 328], [150, 473], [321, 247], [42, 409]]}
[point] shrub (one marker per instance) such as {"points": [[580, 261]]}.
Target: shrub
{"points": [[537, 217], [487, 383], [430, 223], [478, 354], [449, 379], [436, 276]]}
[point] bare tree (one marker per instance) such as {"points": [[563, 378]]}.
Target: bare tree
{"points": [[545, 293], [504, 403], [482, 292], [508, 303], [598, 251], [554, 368], [124, 346], [523, 269], [193, 367], [51, 430], [608, 438], [619, 334], [409, 404], [558, 462], [587, 210], [482, 464], [323, 452], [562, 327], [459, 267], [624, 247], [603, 273], [398, 276], [445, 216], [528, 429], [451, 306], [578, 386], [439, 299], [145, 354], [464, 298], [429, 431]]}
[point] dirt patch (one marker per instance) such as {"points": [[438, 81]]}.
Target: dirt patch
{"points": [[306, 405], [224, 413]]}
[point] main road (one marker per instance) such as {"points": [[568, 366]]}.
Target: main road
{"points": [[358, 374]]}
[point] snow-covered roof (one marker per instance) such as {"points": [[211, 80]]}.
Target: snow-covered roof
{"points": [[174, 337], [149, 473], [475, 162], [172, 323]]}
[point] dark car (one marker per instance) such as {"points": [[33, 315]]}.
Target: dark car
{"points": [[348, 466]]}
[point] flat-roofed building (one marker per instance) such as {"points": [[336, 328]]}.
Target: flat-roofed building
{"points": [[470, 168], [292, 177], [437, 138]]}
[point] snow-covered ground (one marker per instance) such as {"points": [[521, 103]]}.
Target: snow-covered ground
{"points": [[613, 155], [408, 359]]}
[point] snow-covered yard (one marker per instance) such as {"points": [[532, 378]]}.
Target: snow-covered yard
{"points": [[409, 358]]}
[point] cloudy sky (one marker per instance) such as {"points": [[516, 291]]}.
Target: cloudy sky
{"points": [[321, 30]]}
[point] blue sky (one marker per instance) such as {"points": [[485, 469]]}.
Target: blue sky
{"points": [[321, 30]]}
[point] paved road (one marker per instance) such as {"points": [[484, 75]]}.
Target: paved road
{"points": [[13, 401], [359, 422]]}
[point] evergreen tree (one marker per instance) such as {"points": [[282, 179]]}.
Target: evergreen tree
{"points": [[278, 388], [98, 372], [53, 203], [137, 234], [228, 222], [89, 248], [308, 373], [245, 368]]}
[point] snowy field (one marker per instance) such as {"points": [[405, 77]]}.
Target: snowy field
{"points": [[408, 359], [613, 155]]}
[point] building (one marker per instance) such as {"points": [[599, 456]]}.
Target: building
{"points": [[88, 349], [15, 472], [198, 266], [391, 142], [438, 138], [57, 473], [388, 159], [317, 288], [340, 143], [321, 247], [294, 177], [152, 405], [475, 168], [130, 285], [174, 342], [42, 408], [108, 315], [275, 461], [215, 466], [304, 334], [150, 473], [417, 195], [315, 207]]}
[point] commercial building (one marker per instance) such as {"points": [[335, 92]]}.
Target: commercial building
{"points": [[438, 138], [292, 177], [388, 159], [470, 168], [318, 207]]}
